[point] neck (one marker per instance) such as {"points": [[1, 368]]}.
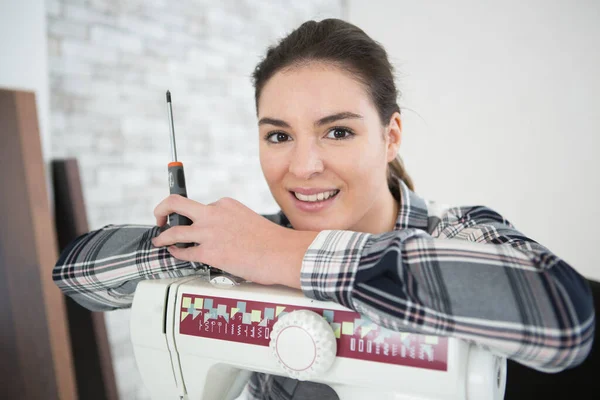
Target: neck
{"points": [[382, 215]]}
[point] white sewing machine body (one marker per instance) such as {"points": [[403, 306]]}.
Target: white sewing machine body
{"points": [[196, 340]]}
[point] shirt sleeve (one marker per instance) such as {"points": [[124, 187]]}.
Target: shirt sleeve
{"points": [[475, 277], [101, 269]]}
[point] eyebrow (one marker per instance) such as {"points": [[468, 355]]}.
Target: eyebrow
{"points": [[323, 121]]}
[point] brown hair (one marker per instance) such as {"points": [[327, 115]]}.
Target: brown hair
{"points": [[349, 47]]}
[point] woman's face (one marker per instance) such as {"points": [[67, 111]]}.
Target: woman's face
{"points": [[324, 151]]}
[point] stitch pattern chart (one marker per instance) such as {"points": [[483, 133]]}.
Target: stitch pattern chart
{"points": [[252, 322]]}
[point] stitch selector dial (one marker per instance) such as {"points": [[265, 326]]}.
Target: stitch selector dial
{"points": [[303, 344], [225, 280]]}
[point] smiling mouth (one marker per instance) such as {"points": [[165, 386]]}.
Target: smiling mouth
{"points": [[315, 198]]}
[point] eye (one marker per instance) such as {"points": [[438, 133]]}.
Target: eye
{"points": [[277, 137], [340, 133]]}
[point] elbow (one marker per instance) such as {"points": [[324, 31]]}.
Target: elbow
{"points": [[576, 348], [578, 335], [570, 337], [579, 338], [573, 349], [581, 352]]}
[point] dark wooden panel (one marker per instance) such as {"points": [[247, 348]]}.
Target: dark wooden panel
{"points": [[89, 341], [35, 340]]}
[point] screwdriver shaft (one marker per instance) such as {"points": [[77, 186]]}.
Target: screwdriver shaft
{"points": [[171, 128], [176, 176]]}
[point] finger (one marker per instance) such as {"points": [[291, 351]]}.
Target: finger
{"points": [[177, 204], [176, 234], [184, 254], [161, 221]]}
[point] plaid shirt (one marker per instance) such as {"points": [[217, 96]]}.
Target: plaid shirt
{"points": [[464, 272]]}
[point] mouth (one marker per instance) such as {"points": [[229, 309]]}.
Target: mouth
{"points": [[316, 201], [316, 197]]}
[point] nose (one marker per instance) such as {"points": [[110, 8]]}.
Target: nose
{"points": [[306, 161]]}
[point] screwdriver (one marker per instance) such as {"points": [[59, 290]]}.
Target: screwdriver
{"points": [[176, 176]]}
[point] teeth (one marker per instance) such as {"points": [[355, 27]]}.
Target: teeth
{"points": [[316, 197]]}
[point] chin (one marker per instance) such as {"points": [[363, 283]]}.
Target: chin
{"points": [[316, 224]]}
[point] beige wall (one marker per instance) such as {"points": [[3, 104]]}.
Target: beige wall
{"points": [[23, 57], [501, 105]]}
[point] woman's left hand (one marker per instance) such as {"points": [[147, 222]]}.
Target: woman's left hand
{"points": [[235, 239]]}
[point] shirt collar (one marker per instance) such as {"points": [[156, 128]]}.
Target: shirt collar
{"points": [[411, 214], [413, 210]]}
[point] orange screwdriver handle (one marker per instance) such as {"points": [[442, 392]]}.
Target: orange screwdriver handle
{"points": [[177, 186]]}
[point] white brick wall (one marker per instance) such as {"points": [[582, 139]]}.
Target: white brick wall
{"points": [[111, 63]]}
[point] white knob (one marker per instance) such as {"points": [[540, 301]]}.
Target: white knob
{"points": [[303, 344], [225, 280]]}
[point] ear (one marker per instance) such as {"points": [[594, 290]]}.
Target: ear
{"points": [[393, 136]]}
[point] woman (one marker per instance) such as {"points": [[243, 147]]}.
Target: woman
{"points": [[329, 131]]}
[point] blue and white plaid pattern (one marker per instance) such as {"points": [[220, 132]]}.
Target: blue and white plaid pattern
{"points": [[464, 272]]}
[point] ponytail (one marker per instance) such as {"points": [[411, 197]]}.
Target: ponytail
{"points": [[397, 171]]}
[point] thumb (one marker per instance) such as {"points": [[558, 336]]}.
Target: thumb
{"points": [[184, 253]]}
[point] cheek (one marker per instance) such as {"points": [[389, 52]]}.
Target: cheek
{"points": [[273, 167], [359, 164]]}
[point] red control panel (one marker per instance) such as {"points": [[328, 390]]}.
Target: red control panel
{"points": [[252, 322]]}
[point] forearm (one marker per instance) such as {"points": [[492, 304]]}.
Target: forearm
{"points": [[100, 270], [287, 258], [528, 305]]}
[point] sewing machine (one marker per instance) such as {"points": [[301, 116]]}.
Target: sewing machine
{"points": [[201, 337]]}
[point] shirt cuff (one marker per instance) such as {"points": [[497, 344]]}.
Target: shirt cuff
{"points": [[329, 265]]}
